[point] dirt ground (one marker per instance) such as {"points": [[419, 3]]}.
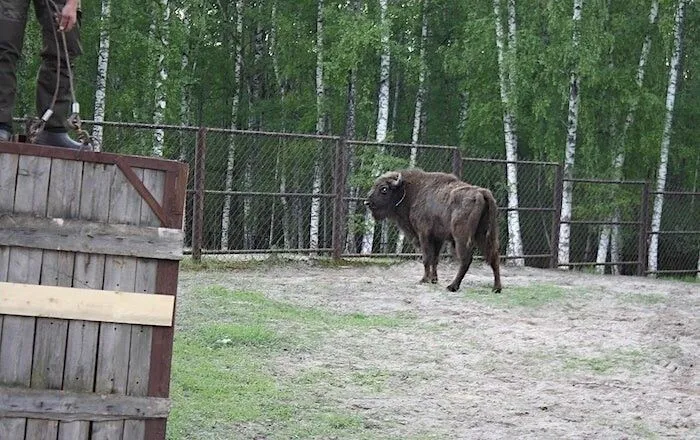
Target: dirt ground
{"points": [[606, 357]]}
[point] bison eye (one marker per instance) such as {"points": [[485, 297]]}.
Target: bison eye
{"points": [[384, 190]]}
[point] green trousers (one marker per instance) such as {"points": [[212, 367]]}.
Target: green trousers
{"points": [[13, 20]]}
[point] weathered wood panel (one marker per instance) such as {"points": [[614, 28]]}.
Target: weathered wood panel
{"points": [[141, 336], [56, 270], [16, 345], [81, 347], [115, 339], [43, 301], [101, 238], [71, 406]]}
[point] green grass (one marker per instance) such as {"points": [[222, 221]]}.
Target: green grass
{"points": [[275, 260], [223, 380], [645, 299], [615, 360], [519, 296]]}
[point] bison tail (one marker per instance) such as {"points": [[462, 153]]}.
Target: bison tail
{"points": [[491, 215]]}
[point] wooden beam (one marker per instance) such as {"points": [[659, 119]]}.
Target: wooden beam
{"points": [[71, 406], [86, 304], [90, 237]]}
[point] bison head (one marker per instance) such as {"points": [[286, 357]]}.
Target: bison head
{"points": [[386, 194]]}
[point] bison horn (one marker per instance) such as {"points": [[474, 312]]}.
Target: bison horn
{"points": [[398, 181]]}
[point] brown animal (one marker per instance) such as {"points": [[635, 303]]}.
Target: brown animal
{"points": [[432, 208]]}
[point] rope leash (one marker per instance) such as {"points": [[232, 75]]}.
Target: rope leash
{"points": [[37, 125]]}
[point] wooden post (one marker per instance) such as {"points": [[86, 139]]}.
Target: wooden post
{"points": [[198, 202], [643, 230], [556, 216], [339, 177], [457, 163]]}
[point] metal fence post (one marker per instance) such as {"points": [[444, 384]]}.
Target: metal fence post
{"points": [[339, 177], [198, 201], [556, 216], [457, 163], [643, 230]]}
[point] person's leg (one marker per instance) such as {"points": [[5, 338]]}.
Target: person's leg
{"points": [[51, 80], [13, 18]]}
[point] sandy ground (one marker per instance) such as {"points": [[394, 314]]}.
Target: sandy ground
{"points": [[611, 357]]}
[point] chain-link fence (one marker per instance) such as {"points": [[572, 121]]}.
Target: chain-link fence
{"points": [[258, 192]]}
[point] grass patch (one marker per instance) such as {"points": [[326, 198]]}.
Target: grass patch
{"points": [[519, 296], [222, 377], [645, 299], [618, 360], [219, 263]]}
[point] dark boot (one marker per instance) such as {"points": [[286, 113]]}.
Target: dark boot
{"points": [[57, 139], [5, 135]]}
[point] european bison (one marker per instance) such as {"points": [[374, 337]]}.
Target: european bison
{"points": [[432, 208]]}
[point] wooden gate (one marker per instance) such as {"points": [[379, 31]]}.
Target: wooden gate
{"points": [[80, 358]]}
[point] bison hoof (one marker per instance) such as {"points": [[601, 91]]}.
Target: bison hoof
{"points": [[496, 290], [424, 280], [452, 288], [433, 280]]}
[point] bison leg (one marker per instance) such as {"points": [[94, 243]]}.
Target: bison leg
{"points": [[491, 256], [437, 247], [429, 262], [464, 251]]}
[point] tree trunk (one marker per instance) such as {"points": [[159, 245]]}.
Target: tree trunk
{"points": [[228, 184], [619, 159], [507, 74], [666, 136], [572, 124], [160, 93], [350, 128], [320, 119], [382, 113], [281, 161], [418, 111], [101, 81]]}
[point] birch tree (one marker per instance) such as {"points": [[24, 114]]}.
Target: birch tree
{"points": [[320, 118], [418, 111], [674, 68], [507, 74], [571, 124], [382, 111], [610, 234], [101, 80], [235, 104], [160, 93]]}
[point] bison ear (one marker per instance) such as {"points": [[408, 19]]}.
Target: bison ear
{"points": [[398, 181]]}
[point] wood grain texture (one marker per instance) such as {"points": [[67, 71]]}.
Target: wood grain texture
{"points": [[16, 343], [71, 406], [56, 270], [64, 234], [88, 272], [84, 304]]}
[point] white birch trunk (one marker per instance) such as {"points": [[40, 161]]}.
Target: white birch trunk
{"points": [[619, 159], [666, 137], [350, 134], [228, 184], [506, 71], [572, 125], [463, 118], [418, 111], [382, 113], [160, 93], [101, 80], [316, 185]]}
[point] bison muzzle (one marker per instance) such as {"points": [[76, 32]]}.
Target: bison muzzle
{"points": [[432, 208]]}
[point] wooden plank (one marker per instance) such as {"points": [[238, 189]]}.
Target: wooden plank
{"points": [[81, 346], [8, 180], [71, 406], [65, 234], [16, 346], [56, 270], [115, 339], [89, 305], [141, 336], [166, 283]]}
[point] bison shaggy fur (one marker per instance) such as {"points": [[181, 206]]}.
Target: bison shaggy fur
{"points": [[432, 208]]}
